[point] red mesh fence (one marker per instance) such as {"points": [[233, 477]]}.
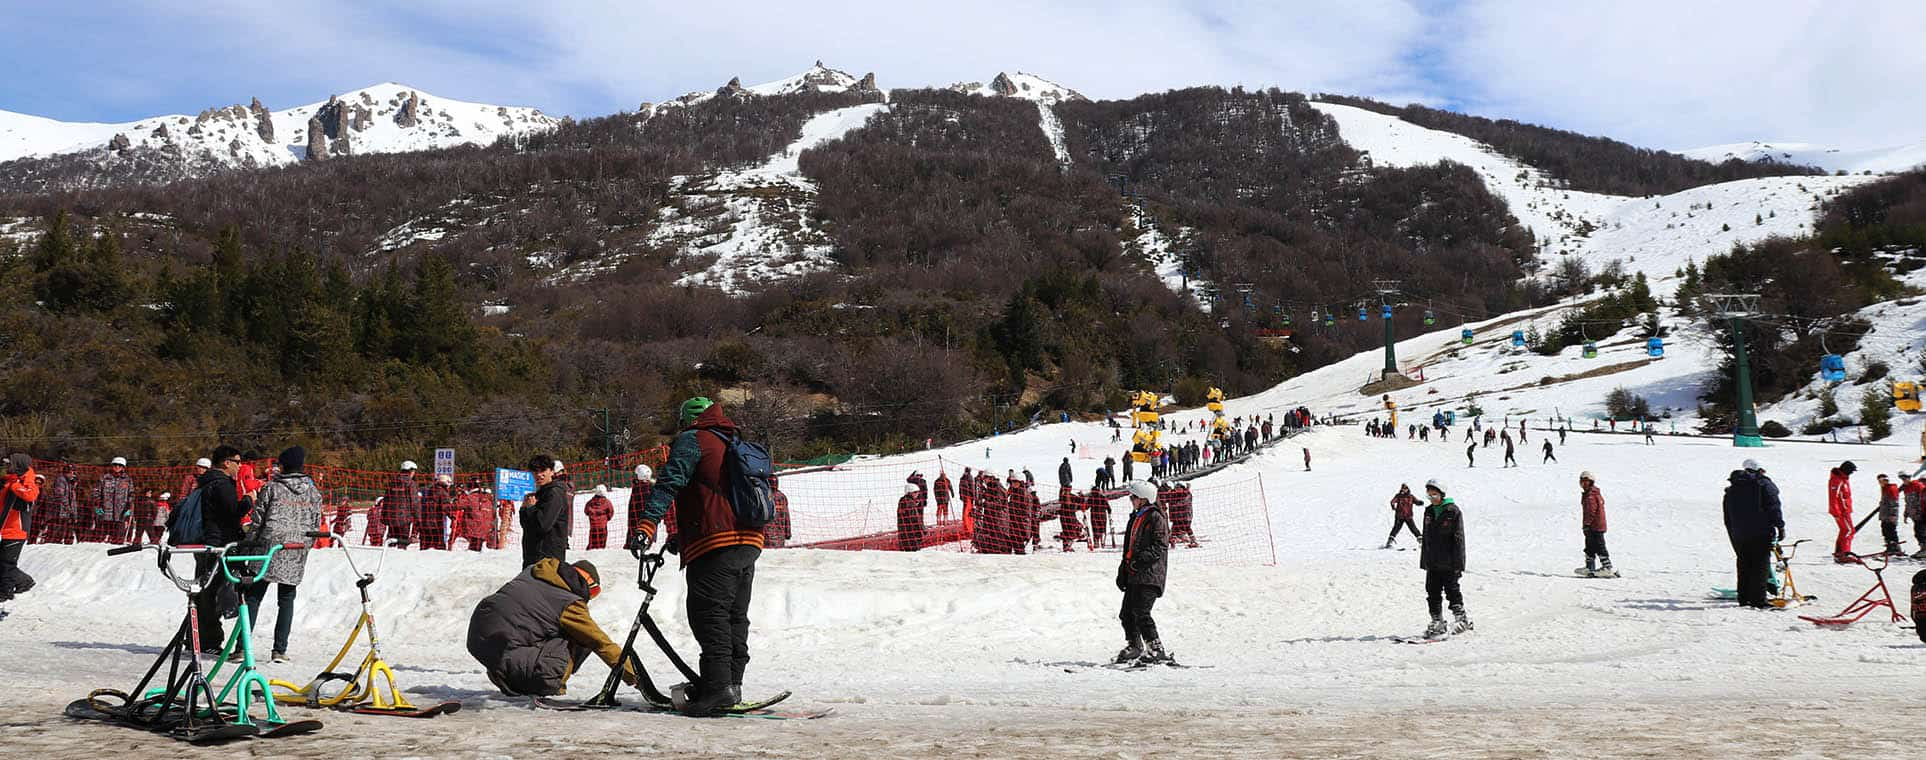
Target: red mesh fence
{"points": [[853, 506], [104, 504], [902, 506]]}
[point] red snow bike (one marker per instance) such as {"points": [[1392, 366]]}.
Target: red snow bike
{"points": [[1874, 598]]}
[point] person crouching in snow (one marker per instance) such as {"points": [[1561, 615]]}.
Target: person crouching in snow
{"points": [[1401, 506], [1442, 558], [1598, 562], [534, 632], [1140, 575]]}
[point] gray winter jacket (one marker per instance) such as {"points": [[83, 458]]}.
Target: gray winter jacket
{"points": [[284, 511], [1146, 549]]}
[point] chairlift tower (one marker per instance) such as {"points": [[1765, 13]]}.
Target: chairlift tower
{"points": [[1735, 308], [1387, 290]]}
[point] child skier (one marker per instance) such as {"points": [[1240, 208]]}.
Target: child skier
{"points": [[1591, 503], [1401, 506], [1442, 558], [1889, 513], [1140, 575]]}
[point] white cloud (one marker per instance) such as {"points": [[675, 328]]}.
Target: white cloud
{"points": [[1682, 74]]}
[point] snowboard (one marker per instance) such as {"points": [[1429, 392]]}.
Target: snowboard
{"points": [[1919, 603], [210, 733], [419, 712]]}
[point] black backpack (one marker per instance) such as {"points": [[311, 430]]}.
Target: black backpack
{"points": [[747, 470]]}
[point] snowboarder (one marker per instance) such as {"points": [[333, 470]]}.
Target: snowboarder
{"points": [[1753, 521], [1889, 513], [718, 553], [18, 491], [1839, 505], [1511, 459], [599, 510], [1548, 452], [535, 631], [909, 516], [1140, 575], [285, 510], [1442, 558], [1471, 455], [1591, 504], [1401, 506]]}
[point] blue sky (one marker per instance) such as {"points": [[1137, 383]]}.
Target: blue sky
{"points": [[1664, 74]]}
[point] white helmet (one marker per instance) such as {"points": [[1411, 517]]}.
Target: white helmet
{"points": [[1142, 489], [166, 495], [558, 467], [204, 462], [909, 488], [642, 472], [601, 490], [122, 461], [409, 465]]}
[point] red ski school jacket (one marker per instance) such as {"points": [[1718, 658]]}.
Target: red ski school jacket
{"points": [[1593, 504]]}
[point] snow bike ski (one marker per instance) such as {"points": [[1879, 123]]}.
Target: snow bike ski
{"points": [[653, 698], [1866, 602], [358, 691], [185, 708]]}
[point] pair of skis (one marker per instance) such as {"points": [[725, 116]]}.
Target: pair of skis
{"points": [[758, 709]]}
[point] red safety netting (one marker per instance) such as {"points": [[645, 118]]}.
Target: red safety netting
{"points": [[924, 505], [103, 504], [851, 506]]}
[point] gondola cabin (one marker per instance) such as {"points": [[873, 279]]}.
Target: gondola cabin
{"points": [[1591, 350], [1518, 338], [1654, 347], [1387, 311], [1430, 318], [1906, 396], [1832, 368], [1464, 336]]}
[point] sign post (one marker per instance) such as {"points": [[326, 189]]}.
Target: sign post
{"points": [[444, 463]]}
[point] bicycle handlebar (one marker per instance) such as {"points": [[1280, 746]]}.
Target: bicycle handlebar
{"points": [[128, 549], [267, 556]]}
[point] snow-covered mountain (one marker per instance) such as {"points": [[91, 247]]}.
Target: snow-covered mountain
{"points": [[1020, 85], [1886, 160], [384, 118], [818, 78]]}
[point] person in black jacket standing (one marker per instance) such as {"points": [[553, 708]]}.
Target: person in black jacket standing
{"points": [[220, 525], [1753, 521], [545, 524], [1140, 575], [1442, 558]]}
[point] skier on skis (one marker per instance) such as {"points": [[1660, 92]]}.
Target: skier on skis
{"points": [[1442, 558], [1889, 513], [1753, 520], [1401, 505], [1839, 505], [1591, 504], [1548, 452], [1140, 575], [535, 631]]}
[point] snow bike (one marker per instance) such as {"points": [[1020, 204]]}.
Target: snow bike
{"points": [[247, 685], [1788, 595], [654, 699], [1866, 602], [358, 691]]}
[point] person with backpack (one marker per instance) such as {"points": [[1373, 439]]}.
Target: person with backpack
{"points": [[211, 516], [1753, 521], [545, 523], [285, 510], [1141, 575], [719, 549], [18, 491], [1442, 558]]}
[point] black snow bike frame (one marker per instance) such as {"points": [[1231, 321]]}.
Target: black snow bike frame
{"points": [[644, 579], [187, 705]]}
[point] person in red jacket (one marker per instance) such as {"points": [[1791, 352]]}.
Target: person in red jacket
{"points": [[18, 492], [942, 495], [343, 519], [1098, 506], [1839, 505], [1889, 514], [1913, 493], [776, 534], [1591, 503], [1071, 529], [437, 507], [477, 518], [598, 511], [909, 516], [638, 496], [1401, 505]]}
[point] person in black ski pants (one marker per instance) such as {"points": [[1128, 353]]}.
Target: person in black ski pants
{"points": [[1753, 521], [1401, 505], [1548, 452], [1442, 558], [1140, 574], [1471, 455]]}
